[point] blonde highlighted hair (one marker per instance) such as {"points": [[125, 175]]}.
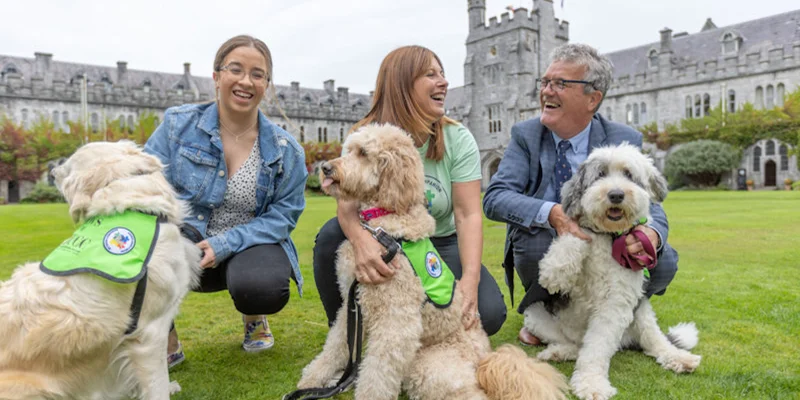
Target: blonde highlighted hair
{"points": [[393, 101]]}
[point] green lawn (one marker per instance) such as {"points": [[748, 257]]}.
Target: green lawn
{"points": [[738, 280]]}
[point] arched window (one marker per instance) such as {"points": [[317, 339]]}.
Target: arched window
{"points": [[652, 59], [779, 94], [729, 44], [643, 113], [302, 134], [697, 106], [628, 114], [56, 122], [608, 113], [325, 134], [130, 124], [770, 149], [95, 121], [64, 119], [770, 96], [706, 105], [757, 159], [688, 107], [341, 134], [731, 101], [24, 120], [759, 97], [784, 152], [319, 134], [121, 123], [635, 114]]}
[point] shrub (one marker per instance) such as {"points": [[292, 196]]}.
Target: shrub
{"points": [[796, 185], [702, 162], [787, 181], [313, 183], [44, 193]]}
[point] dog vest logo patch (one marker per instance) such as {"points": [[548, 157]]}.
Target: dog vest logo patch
{"points": [[433, 265], [116, 247], [119, 241]]}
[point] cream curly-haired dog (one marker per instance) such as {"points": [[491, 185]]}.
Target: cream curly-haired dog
{"points": [[64, 337], [606, 309], [411, 344]]}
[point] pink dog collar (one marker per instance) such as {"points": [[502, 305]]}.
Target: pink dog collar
{"points": [[373, 213]]}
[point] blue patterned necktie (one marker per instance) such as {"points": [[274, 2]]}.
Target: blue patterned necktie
{"points": [[562, 169]]}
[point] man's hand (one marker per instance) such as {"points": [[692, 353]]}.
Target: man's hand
{"points": [[469, 305], [209, 258], [633, 244], [565, 225], [370, 268]]}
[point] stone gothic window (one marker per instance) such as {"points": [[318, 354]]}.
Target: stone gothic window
{"points": [[706, 105], [770, 148], [731, 101], [628, 114], [64, 119], [770, 98], [25, 122], [56, 124], [780, 92], [325, 134], [341, 135], [757, 159], [121, 123], [302, 134], [730, 44], [635, 114], [759, 97], [494, 118], [652, 59], [95, 122], [643, 113], [784, 152], [319, 134], [130, 124], [697, 106], [688, 107]]}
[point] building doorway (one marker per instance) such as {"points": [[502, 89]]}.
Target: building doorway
{"points": [[13, 192], [769, 173]]}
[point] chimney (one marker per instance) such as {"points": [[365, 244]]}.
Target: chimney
{"points": [[295, 86], [122, 72], [329, 86], [187, 68], [343, 95], [666, 40]]}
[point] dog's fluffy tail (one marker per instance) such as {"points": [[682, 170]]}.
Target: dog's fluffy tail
{"points": [[21, 385], [509, 374], [683, 335]]}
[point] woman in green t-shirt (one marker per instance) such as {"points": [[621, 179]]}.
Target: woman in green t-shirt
{"points": [[410, 93]]}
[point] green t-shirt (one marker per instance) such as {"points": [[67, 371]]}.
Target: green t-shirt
{"points": [[461, 163]]}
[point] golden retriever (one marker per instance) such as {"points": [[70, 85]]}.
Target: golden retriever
{"points": [[411, 344], [64, 337]]}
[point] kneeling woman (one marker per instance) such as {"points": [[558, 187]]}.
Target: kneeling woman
{"points": [[410, 93]]}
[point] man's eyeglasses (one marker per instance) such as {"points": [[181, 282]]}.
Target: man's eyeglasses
{"points": [[256, 75], [557, 84]]}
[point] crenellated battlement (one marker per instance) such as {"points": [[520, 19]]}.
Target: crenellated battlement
{"points": [[540, 19]]}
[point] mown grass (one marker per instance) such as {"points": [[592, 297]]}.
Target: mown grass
{"points": [[739, 280]]}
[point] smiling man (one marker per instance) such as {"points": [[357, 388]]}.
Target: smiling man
{"points": [[543, 153]]}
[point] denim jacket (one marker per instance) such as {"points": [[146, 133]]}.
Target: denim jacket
{"points": [[189, 146]]}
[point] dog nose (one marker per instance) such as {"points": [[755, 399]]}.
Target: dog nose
{"points": [[616, 196], [327, 168]]}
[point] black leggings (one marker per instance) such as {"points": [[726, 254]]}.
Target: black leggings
{"points": [[490, 300], [257, 278]]}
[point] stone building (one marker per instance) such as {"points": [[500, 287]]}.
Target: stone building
{"points": [[680, 76], [44, 88]]}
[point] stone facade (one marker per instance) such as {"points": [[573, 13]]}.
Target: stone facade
{"points": [[679, 76], [43, 88]]}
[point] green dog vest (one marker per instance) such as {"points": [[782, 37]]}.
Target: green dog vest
{"points": [[437, 278], [116, 247]]}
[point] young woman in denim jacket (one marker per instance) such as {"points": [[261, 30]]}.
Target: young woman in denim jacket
{"points": [[410, 93], [244, 178]]}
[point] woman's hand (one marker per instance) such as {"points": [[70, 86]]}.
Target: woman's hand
{"points": [[469, 306], [370, 268], [209, 258]]}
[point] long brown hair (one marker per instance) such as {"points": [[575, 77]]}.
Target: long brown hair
{"points": [[393, 101], [246, 41]]}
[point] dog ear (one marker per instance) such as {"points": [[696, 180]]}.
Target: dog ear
{"points": [[400, 179], [571, 193], [658, 185]]}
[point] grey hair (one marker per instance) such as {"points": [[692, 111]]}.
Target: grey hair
{"points": [[598, 67]]}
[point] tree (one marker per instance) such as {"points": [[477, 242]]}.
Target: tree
{"points": [[702, 162]]}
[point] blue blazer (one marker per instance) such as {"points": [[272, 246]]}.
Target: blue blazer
{"points": [[515, 193]]}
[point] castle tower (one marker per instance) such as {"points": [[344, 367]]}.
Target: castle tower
{"points": [[477, 13]]}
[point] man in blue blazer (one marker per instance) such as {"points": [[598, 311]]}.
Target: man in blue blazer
{"points": [[546, 151]]}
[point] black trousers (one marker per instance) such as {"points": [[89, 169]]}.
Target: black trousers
{"points": [[490, 300], [257, 278]]}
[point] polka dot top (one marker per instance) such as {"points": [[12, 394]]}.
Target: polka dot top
{"points": [[239, 205]]}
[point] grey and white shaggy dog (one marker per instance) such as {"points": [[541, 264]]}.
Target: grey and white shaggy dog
{"points": [[411, 344], [606, 308]]}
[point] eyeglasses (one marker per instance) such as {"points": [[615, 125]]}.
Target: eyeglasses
{"points": [[256, 75], [557, 84]]}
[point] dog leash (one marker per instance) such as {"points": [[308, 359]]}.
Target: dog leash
{"points": [[355, 329], [646, 262]]}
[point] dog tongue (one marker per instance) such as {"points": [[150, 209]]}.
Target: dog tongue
{"points": [[327, 182]]}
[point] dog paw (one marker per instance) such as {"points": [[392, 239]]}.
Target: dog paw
{"points": [[558, 353], [174, 387], [680, 362], [551, 279], [592, 387]]}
